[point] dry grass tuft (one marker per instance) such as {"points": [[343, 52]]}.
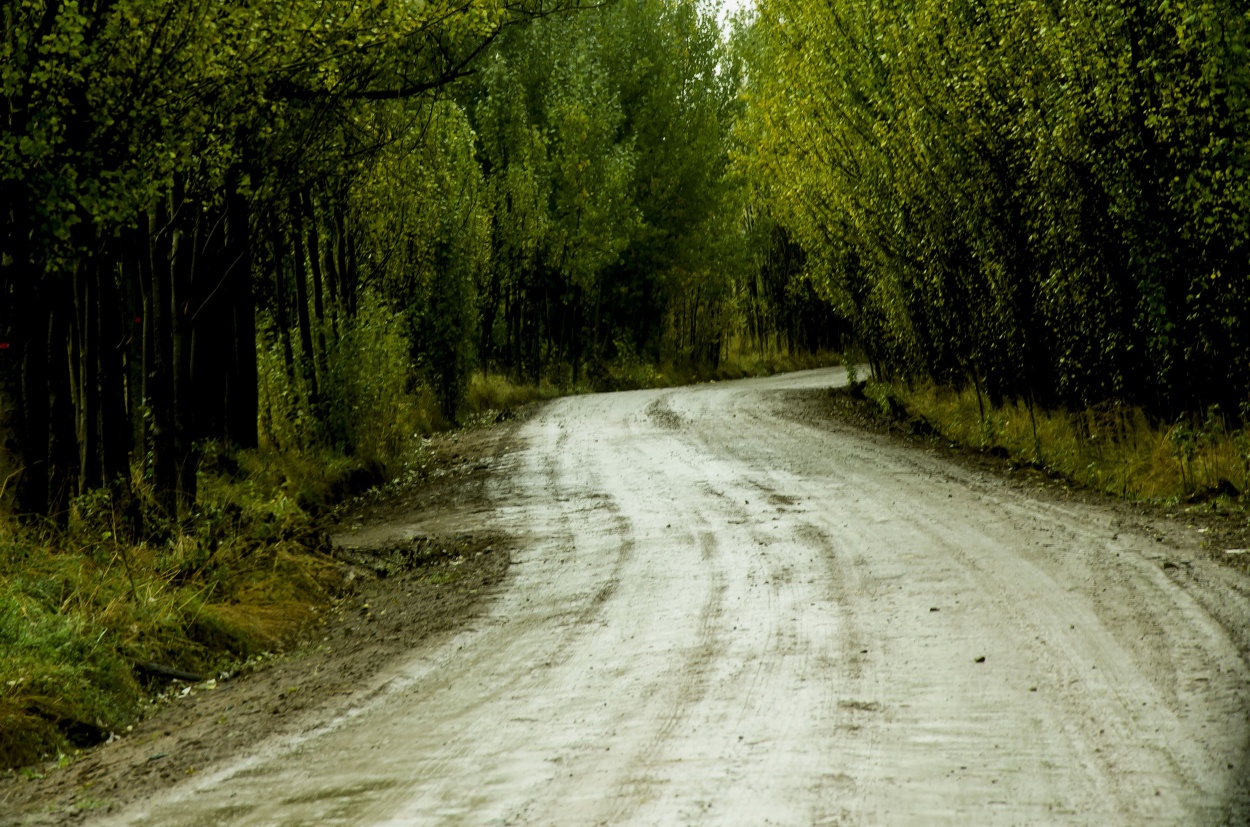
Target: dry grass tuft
{"points": [[494, 392], [1112, 448], [629, 371]]}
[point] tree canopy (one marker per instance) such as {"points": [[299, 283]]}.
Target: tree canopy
{"points": [[212, 211], [1047, 197]]}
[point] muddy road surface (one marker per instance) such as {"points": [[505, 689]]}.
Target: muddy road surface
{"points": [[723, 613]]}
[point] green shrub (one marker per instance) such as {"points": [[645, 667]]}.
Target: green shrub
{"points": [[493, 392]]}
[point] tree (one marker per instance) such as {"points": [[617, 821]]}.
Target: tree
{"points": [[1047, 198]]}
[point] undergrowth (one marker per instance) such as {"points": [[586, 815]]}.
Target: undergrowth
{"points": [[496, 393], [629, 372], [1112, 448], [85, 612], [88, 609], [493, 392]]}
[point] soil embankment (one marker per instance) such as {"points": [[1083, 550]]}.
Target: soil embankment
{"points": [[413, 586]]}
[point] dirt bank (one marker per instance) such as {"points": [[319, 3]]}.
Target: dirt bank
{"points": [[411, 590]]}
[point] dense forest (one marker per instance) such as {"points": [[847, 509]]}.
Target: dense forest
{"points": [[1049, 201], [214, 215]]}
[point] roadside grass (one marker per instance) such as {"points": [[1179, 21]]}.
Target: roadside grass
{"points": [[494, 393], [747, 363], [489, 392], [630, 373], [84, 612], [87, 609], [1112, 448]]}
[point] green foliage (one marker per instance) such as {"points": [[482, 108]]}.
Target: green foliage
{"points": [[1048, 199], [80, 609], [374, 411], [616, 232], [493, 394], [371, 412], [250, 253]]}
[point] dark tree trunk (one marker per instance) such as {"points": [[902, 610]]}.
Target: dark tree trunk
{"points": [[241, 397], [349, 270], [203, 311], [159, 385], [332, 256], [183, 266], [314, 264], [33, 490], [306, 363], [114, 346], [281, 301], [62, 447], [85, 377]]}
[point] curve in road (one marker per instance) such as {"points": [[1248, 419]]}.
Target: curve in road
{"points": [[725, 615]]}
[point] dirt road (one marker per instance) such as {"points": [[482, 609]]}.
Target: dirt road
{"points": [[724, 614]]}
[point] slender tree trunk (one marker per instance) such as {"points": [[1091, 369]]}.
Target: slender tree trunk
{"points": [[22, 382], [490, 312], [314, 265], [350, 270], [63, 458], [306, 363], [85, 372], [164, 241], [113, 346], [140, 407], [242, 381], [976, 384], [33, 493], [183, 269], [332, 256]]}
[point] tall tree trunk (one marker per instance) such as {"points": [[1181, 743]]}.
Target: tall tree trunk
{"points": [[306, 363], [113, 347], [490, 311], [63, 458], [203, 309], [331, 257], [281, 294], [242, 401], [33, 339], [183, 266], [350, 270], [159, 386], [85, 372], [314, 264]]}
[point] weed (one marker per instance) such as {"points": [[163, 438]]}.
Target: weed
{"points": [[1113, 448], [82, 608], [493, 392]]}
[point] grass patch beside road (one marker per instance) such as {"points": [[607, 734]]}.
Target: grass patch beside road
{"points": [[1113, 448], [490, 393], [86, 615]]}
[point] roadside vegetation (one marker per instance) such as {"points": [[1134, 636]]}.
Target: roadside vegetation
{"points": [[1034, 216], [1045, 201], [1112, 448]]}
